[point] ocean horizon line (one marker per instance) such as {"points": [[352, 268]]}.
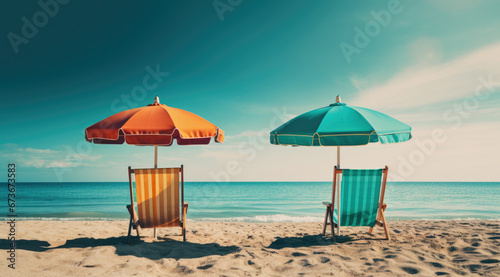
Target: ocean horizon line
{"points": [[330, 181]]}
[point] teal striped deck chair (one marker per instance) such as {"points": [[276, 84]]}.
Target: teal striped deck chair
{"points": [[361, 200]]}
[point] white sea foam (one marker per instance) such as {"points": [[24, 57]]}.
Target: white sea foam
{"points": [[63, 218], [258, 219], [265, 219]]}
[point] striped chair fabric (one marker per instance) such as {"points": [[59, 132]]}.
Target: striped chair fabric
{"points": [[360, 195], [157, 195]]}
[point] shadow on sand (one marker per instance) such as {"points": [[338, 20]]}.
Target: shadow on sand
{"points": [[152, 250], [307, 241]]}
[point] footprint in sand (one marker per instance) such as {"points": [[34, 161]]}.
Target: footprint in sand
{"points": [[438, 265], [471, 250], [490, 261], [410, 270], [473, 267], [183, 269], [289, 261], [204, 267], [304, 263], [440, 273], [345, 258], [459, 260], [324, 260], [391, 256], [298, 254]]}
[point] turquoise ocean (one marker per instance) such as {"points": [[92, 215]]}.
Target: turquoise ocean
{"points": [[254, 201]]}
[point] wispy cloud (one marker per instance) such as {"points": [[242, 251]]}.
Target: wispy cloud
{"points": [[438, 85], [223, 155], [358, 83], [33, 150], [248, 133], [44, 163], [45, 158]]}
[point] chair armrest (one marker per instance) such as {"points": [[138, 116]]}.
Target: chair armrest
{"points": [[327, 203], [185, 206]]}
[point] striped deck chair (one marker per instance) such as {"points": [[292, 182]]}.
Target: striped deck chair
{"points": [[361, 202], [157, 194]]}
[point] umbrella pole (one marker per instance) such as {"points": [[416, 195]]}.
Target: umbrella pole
{"points": [[338, 192], [156, 156], [156, 166], [338, 157]]}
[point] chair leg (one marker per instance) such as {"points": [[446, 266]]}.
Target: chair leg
{"points": [[326, 219], [132, 218], [130, 229], [332, 227], [185, 209], [131, 222], [137, 230], [379, 217], [386, 228]]}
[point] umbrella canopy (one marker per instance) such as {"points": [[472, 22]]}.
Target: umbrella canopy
{"points": [[340, 125], [155, 124]]}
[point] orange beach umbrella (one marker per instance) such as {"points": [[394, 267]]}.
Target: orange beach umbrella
{"points": [[156, 125]]}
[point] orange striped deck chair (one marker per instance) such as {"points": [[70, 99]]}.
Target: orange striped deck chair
{"points": [[159, 193]]}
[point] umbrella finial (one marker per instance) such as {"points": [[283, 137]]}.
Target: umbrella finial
{"points": [[338, 100], [157, 100]]}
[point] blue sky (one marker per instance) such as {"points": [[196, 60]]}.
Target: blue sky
{"points": [[248, 68]]}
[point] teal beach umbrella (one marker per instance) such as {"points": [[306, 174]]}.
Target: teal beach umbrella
{"points": [[339, 125]]}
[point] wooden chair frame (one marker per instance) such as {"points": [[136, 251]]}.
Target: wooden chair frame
{"points": [[380, 221], [134, 219]]}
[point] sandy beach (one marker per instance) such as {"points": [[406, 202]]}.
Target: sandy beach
{"points": [[99, 248]]}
